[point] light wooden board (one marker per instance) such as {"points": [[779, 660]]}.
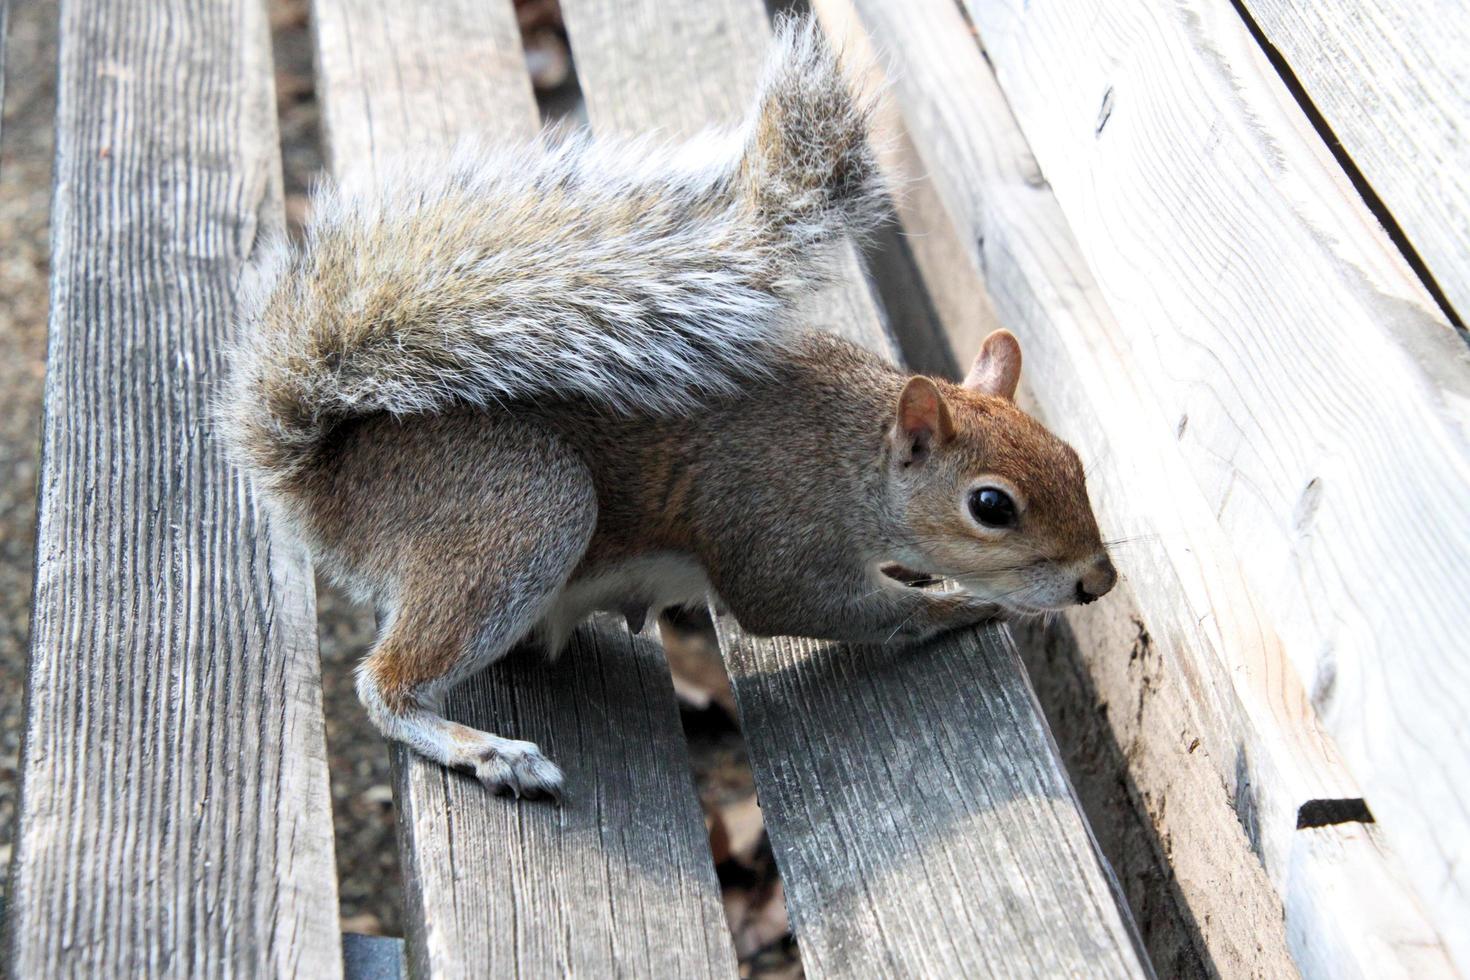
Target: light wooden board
{"points": [[1225, 681], [175, 816], [1392, 82], [619, 880], [1320, 401], [914, 799]]}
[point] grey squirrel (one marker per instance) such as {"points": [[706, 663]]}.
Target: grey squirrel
{"points": [[499, 391]]}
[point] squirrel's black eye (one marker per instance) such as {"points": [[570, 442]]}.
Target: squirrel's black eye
{"points": [[993, 508]]}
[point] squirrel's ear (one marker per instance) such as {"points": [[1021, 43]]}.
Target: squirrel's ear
{"points": [[923, 420], [997, 368]]}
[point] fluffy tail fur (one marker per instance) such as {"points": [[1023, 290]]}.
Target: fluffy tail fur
{"points": [[640, 277]]}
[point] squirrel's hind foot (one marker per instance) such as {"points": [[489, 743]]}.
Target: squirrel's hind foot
{"points": [[519, 769], [505, 766]]}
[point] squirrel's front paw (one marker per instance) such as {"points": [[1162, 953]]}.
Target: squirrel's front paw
{"points": [[510, 768]]}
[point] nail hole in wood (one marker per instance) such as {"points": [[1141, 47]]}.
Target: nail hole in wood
{"points": [[1328, 813]]}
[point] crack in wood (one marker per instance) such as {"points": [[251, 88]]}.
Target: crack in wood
{"points": [[1104, 112]]}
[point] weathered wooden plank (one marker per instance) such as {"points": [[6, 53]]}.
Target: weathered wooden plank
{"points": [[1391, 81], [1227, 680], [619, 880], [175, 817], [921, 819], [1319, 397], [915, 802], [616, 882]]}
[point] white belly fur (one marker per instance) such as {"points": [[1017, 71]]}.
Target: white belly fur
{"points": [[657, 581]]}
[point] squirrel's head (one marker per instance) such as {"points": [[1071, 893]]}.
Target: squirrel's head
{"points": [[991, 498]]}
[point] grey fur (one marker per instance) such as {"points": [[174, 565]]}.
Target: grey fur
{"points": [[641, 277]]}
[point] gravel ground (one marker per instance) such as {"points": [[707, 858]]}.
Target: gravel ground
{"points": [[25, 191]]}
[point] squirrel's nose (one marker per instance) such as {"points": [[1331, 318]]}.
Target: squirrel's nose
{"points": [[1097, 581]]}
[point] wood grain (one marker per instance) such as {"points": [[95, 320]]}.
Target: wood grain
{"points": [[1319, 399], [619, 880], [915, 802], [1227, 687], [1392, 82], [921, 819], [175, 817]]}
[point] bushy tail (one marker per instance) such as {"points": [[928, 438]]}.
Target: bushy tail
{"points": [[639, 277]]}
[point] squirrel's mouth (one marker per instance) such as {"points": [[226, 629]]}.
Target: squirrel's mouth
{"points": [[1011, 602], [940, 583], [911, 578]]}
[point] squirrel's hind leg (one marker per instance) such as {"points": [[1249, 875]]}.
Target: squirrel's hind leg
{"points": [[503, 765], [478, 565]]}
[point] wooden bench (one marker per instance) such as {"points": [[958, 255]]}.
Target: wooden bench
{"points": [[175, 815], [175, 811], [175, 801]]}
